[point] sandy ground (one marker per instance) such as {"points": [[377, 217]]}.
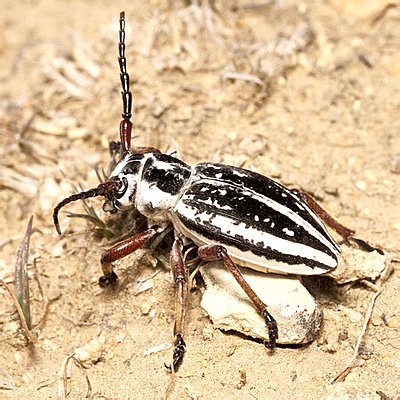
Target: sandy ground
{"points": [[318, 110]]}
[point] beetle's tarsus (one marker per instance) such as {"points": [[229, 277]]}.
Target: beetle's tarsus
{"points": [[106, 280], [179, 352], [272, 329], [363, 245]]}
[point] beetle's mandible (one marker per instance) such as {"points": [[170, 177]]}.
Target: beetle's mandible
{"points": [[231, 214]]}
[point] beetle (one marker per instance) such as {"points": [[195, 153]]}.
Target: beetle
{"points": [[230, 214]]}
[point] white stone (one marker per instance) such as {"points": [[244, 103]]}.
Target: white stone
{"points": [[361, 185], [90, 353], [358, 264], [297, 314]]}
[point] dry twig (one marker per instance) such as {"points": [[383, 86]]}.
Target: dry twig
{"points": [[342, 375], [63, 378]]}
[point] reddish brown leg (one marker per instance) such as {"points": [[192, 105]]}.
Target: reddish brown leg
{"points": [[120, 250], [345, 233], [217, 252], [181, 282]]}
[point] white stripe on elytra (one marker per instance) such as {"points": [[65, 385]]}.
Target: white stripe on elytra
{"points": [[297, 219], [253, 235], [247, 258]]}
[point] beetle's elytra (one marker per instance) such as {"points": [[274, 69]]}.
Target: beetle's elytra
{"points": [[231, 214]]}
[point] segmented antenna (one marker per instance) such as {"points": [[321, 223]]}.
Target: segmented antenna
{"points": [[102, 190], [125, 128]]}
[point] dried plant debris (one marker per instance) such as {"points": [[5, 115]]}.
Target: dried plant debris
{"points": [[192, 38], [199, 37], [63, 387], [20, 296], [21, 276], [264, 61], [342, 375], [17, 181]]}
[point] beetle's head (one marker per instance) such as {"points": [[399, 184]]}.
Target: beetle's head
{"points": [[126, 176], [119, 190]]}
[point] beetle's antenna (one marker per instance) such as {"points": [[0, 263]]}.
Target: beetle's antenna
{"points": [[125, 128], [102, 190]]}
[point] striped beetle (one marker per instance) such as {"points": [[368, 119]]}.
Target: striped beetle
{"points": [[230, 213]]}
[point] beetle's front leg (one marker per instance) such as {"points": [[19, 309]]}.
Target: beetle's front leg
{"points": [[120, 250], [346, 233], [181, 282], [217, 252]]}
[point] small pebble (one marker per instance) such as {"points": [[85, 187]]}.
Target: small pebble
{"points": [[90, 353], [356, 105], [361, 185], [145, 308]]}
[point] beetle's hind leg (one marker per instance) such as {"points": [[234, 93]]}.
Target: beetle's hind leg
{"points": [[181, 281], [217, 252], [120, 250], [346, 233]]}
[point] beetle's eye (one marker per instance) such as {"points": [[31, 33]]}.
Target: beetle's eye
{"points": [[121, 187]]}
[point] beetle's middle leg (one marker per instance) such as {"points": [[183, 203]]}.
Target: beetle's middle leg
{"points": [[181, 281], [346, 233], [120, 250], [217, 252]]}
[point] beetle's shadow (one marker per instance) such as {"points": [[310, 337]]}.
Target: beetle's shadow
{"points": [[324, 289], [269, 351]]}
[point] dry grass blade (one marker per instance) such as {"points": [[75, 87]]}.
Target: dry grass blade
{"points": [[21, 296], [21, 275], [94, 219], [43, 294], [243, 77], [28, 333], [63, 383]]}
